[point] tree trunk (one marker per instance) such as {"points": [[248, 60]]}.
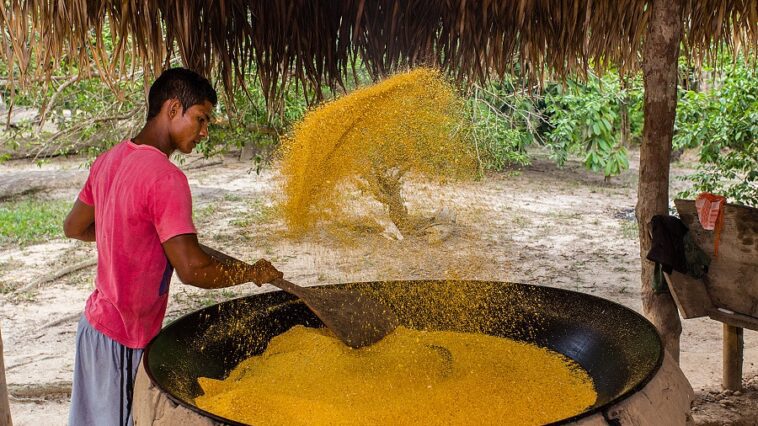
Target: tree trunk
{"points": [[5, 409], [659, 66], [386, 187]]}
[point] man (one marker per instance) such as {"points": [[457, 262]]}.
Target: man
{"points": [[136, 205]]}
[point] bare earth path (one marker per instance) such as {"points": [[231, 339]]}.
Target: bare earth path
{"points": [[540, 225]]}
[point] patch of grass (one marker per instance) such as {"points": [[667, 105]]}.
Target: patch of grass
{"points": [[565, 216], [228, 294], [257, 212], [205, 212], [31, 221], [222, 238], [629, 229], [522, 221], [243, 222], [5, 288], [9, 265]]}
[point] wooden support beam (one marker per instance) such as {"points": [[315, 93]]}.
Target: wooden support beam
{"points": [[5, 409], [732, 362]]}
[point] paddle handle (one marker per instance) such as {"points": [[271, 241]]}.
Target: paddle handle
{"points": [[281, 283], [288, 287]]}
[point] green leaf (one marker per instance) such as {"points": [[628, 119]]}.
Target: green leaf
{"points": [[607, 125]]}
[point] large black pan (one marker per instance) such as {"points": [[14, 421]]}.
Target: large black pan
{"points": [[619, 348]]}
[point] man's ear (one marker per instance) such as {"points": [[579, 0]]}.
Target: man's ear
{"points": [[174, 107]]}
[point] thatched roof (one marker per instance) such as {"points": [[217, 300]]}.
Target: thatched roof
{"points": [[316, 42]]}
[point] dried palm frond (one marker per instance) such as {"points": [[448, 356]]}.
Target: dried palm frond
{"points": [[315, 43]]}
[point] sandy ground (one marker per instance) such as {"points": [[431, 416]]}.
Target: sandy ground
{"points": [[539, 225]]}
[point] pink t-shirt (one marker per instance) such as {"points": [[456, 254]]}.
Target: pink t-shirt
{"points": [[141, 200]]}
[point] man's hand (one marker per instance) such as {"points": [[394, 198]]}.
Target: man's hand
{"points": [[264, 272], [261, 272]]}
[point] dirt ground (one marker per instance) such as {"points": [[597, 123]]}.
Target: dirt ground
{"points": [[540, 225]]}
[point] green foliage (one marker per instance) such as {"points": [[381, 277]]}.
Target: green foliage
{"points": [[585, 120], [248, 121], [87, 116], [723, 123], [505, 124], [579, 118], [634, 95], [31, 221]]}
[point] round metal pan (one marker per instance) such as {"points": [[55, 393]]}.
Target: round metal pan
{"points": [[619, 348]]}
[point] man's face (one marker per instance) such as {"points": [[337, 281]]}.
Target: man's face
{"points": [[188, 129]]}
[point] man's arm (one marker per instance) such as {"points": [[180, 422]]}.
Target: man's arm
{"points": [[80, 222], [213, 269]]}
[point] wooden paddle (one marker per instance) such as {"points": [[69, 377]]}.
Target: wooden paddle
{"points": [[356, 318]]}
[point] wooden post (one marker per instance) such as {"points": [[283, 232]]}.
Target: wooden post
{"points": [[5, 409], [732, 362], [659, 66]]}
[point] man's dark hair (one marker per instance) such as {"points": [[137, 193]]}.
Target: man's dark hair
{"points": [[189, 87]]}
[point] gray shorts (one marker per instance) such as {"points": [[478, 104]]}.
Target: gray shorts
{"points": [[104, 373]]}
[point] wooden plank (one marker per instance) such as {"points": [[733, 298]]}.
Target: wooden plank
{"points": [[734, 319], [734, 287], [732, 280], [5, 409], [690, 295], [732, 362]]}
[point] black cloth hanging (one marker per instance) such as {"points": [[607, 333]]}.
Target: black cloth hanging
{"points": [[668, 243], [673, 249]]}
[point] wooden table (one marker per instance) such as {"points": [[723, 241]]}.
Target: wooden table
{"points": [[729, 292]]}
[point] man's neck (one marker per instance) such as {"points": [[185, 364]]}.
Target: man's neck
{"points": [[154, 135]]}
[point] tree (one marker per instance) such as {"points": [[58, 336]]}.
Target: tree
{"points": [[659, 67], [722, 123], [585, 119]]}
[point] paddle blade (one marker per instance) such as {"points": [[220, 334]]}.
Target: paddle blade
{"points": [[355, 318]]}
